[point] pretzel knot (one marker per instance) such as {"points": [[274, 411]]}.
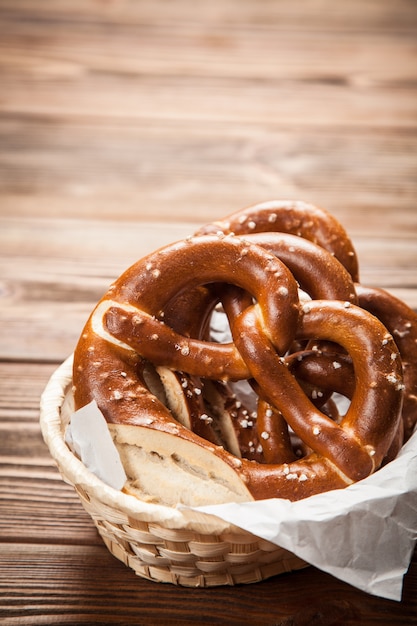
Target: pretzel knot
{"points": [[165, 385]]}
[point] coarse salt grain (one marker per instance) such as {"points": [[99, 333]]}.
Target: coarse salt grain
{"points": [[291, 476]]}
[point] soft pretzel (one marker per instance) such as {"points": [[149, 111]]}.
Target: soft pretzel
{"points": [[297, 218], [149, 377], [401, 321]]}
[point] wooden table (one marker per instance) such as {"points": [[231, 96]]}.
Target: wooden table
{"points": [[125, 125]]}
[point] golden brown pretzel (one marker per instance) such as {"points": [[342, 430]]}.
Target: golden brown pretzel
{"points": [[357, 445], [292, 217], [126, 341], [401, 321]]}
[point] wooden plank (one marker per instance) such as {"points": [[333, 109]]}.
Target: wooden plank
{"points": [[260, 51], [73, 264], [373, 15], [205, 99], [260, 105], [248, 73], [37, 504], [22, 406], [33, 498], [43, 584], [89, 168]]}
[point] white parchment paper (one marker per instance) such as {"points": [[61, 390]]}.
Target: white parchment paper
{"points": [[364, 534], [89, 438]]}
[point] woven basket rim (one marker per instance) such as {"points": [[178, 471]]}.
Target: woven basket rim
{"points": [[75, 472]]}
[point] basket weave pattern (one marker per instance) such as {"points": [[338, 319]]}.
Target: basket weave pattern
{"points": [[159, 543]]}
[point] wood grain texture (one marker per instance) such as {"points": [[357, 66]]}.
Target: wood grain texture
{"points": [[87, 585], [124, 125], [188, 170], [155, 107]]}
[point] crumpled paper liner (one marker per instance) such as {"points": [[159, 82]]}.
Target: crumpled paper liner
{"points": [[364, 534]]}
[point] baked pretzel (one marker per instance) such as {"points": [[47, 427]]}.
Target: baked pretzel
{"points": [[296, 218], [401, 321], [127, 351]]}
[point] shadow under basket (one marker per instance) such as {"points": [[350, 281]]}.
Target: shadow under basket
{"points": [[159, 543]]}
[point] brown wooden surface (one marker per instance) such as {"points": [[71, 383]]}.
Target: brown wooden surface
{"points": [[123, 126]]}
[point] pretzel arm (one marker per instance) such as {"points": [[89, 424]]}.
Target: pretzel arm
{"points": [[401, 321], [156, 341], [317, 271], [293, 217], [273, 433]]}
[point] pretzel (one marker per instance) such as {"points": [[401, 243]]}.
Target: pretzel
{"points": [[367, 438], [401, 321], [298, 218], [127, 351]]}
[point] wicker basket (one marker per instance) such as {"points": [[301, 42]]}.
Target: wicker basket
{"points": [[159, 543]]}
